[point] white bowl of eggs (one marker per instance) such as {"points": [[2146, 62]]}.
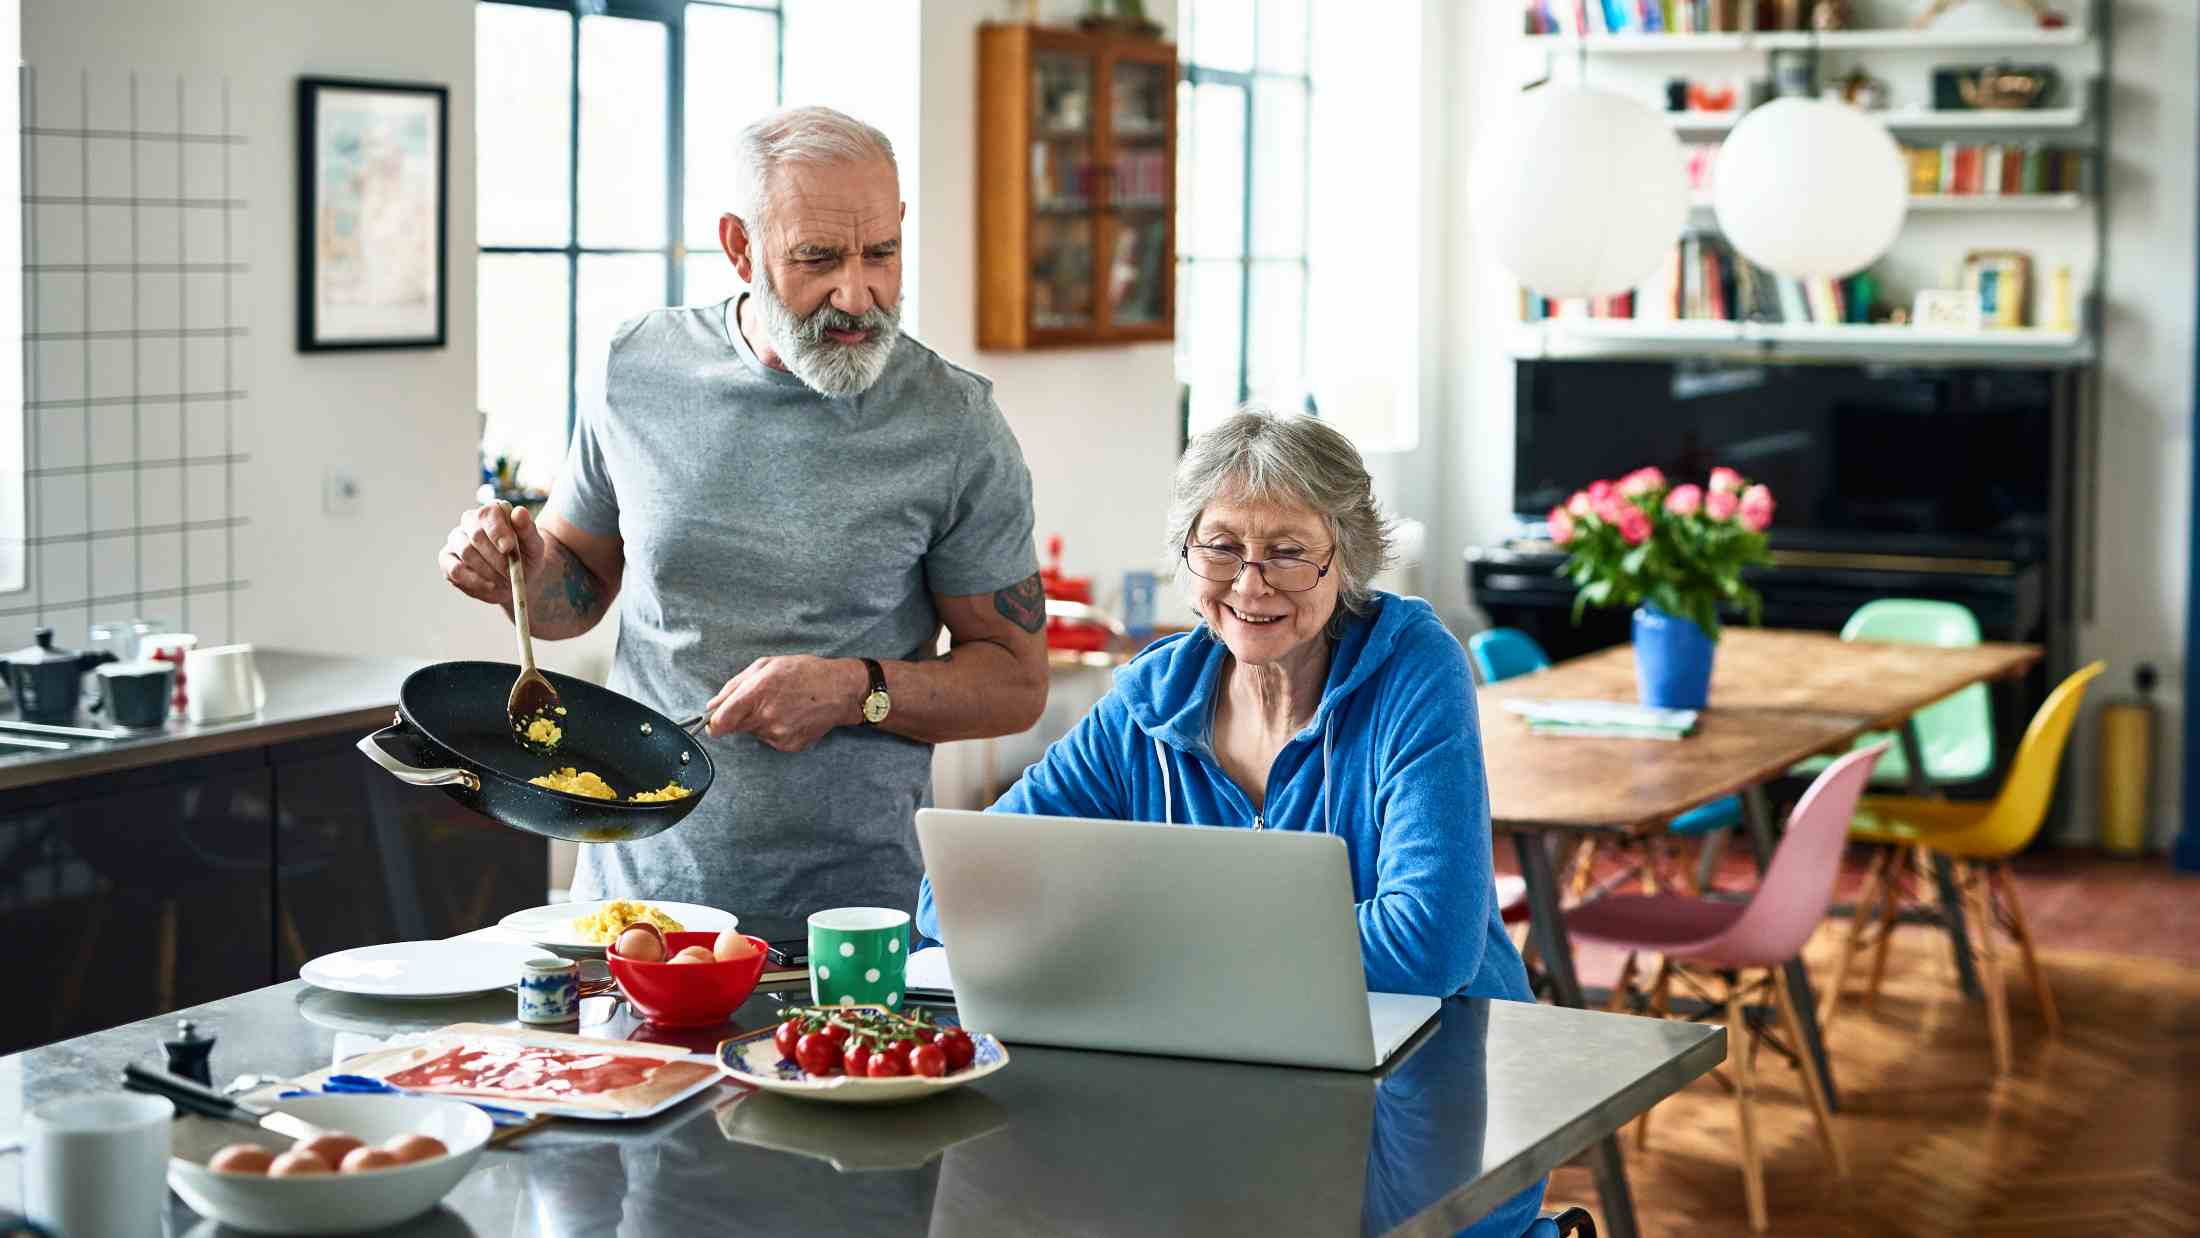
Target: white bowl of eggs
{"points": [[381, 1160]]}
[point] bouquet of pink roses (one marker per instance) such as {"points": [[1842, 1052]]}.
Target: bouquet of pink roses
{"points": [[1681, 549]]}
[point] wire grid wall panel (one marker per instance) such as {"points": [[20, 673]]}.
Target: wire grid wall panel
{"points": [[135, 344]]}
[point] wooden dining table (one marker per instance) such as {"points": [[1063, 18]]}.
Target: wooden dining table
{"points": [[1777, 697]]}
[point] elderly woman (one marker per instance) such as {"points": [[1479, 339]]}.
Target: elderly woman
{"points": [[1305, 700]]}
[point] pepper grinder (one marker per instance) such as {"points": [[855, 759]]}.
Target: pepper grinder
{"points": [[189, 1051]]}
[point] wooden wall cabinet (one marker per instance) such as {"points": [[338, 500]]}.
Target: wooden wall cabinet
{"points": [[1076, 188]]}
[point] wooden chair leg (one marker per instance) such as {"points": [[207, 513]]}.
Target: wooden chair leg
{"points": [[1989, 961], [1661, 1004], [1889, 906], [1584, 854], [1623, 992], [1865, 908], [1745, 1096], [1814, 1087], [2006, 886]]}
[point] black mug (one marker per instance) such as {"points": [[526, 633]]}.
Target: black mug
{"points": [[137, 693]]}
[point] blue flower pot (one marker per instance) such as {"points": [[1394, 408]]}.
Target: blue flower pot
{"points": [[1672, 660]]}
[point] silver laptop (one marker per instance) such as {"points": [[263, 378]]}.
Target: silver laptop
{"points": [[1197, 942]]}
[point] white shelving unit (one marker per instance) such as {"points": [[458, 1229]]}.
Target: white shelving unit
{"points": [[2028, 120], [2064, 229], [1795, 40], [1560, 338], [1965, 203]]}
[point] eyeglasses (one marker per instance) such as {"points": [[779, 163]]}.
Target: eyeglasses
{"points": [[1287, 573]]}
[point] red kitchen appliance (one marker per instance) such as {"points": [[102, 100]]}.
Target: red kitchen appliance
{"points": [[1073, 634]]}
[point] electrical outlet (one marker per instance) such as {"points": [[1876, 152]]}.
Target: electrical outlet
{"points": [[340, 493]]}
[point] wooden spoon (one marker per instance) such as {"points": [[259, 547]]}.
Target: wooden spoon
{"points": [[532, 696]]}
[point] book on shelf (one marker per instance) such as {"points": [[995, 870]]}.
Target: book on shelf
{"points": [[1996, 169], [1702, 279], [1590, 17]]}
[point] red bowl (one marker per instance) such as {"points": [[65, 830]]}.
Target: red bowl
{"points": [[687, 994]]}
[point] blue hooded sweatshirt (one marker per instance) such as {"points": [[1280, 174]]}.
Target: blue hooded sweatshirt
{"points": [[1391, 762]]}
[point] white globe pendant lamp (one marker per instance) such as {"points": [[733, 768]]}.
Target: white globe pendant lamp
{"points": [[1581, 193], [1810, 188]]}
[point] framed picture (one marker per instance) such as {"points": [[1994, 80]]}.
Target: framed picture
{"points": [[373, 199]]}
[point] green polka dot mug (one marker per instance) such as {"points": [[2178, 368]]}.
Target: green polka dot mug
{"points": [[858, 956]]}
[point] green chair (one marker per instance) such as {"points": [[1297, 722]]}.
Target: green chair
{"points": [[1956, 733]]}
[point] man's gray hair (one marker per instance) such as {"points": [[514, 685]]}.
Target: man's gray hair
{"points": [[797, 135], [1293, 459]]}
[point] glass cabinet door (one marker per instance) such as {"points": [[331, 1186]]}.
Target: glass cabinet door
{"points": [[1066, 190], [1141, 94]]}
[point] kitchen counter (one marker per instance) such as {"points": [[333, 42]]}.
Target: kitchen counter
{"points": [[308, 695], [1492, 1097]]}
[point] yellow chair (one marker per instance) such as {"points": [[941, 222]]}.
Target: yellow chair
{"points": [[1979, 837]]}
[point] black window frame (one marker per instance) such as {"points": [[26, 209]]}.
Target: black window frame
{"points": [[673, 15]]}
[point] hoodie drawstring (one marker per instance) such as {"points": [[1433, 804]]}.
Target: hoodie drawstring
{"points": [[1168, 811], [1168, 808]]}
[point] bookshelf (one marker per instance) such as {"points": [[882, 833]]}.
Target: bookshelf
{"points": [[2029, 120], [2062, 223], [1802, 40], [1591, 338]]}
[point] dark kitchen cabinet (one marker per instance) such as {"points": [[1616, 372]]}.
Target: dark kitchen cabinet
{"points": [[128, 895], [132, 894], [361, 858]]}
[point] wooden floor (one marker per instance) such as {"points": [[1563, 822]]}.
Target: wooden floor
{"points": [[2095, 1134]]}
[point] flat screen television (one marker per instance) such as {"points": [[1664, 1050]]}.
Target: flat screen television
{"points": [[1920, 460]]}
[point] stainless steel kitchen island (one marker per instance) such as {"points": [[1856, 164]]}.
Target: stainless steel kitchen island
{"points": [[1483, 1102]]}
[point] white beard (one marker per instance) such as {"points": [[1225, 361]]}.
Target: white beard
{"points": [[824, 364]]}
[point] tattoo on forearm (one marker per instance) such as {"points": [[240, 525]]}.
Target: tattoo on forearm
{"points": [[1023, 604], [582, 590]]}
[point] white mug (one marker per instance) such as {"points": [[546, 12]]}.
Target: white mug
{"points": [[224, 683], [98, 1164]]}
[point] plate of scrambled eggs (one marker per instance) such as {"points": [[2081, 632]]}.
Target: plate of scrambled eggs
{"points": [[584, 928]]}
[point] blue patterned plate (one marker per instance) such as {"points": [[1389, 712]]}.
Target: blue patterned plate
{"points": [[754, 1060]]}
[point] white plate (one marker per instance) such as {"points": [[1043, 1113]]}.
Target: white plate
{"points": [[552, 926], [754, 1060], [421, 968]]}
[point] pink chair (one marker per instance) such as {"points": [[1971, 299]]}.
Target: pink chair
{"points": [[1702, 941]]}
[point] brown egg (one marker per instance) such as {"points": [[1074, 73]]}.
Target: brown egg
{"points": [[693, 954], [643, 945], [360, 1160], [410, 1148], [732, 947], [242, 1158], [331, 1146], [297, 1163]]}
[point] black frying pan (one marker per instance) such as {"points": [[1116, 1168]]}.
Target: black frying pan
{"points": [[451, 732]]}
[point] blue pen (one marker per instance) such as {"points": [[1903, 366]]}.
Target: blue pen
{"points": [[358, 1084]]}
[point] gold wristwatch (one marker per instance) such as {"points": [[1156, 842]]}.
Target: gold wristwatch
{"points": [[876, 703]]}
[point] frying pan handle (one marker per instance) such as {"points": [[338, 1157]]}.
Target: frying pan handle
{"points": [[372, 747]]}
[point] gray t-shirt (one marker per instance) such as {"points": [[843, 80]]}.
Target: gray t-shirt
{"points": [[760, 517]]}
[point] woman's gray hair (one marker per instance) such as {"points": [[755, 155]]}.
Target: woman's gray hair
{"points": [[1294, 459], [797, 135]]}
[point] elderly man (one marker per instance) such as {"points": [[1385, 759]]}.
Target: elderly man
{"points": [[788, 497]]}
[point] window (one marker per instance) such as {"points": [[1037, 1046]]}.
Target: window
{"points": [[601, 179], [1242, 186], [1301, 180]]}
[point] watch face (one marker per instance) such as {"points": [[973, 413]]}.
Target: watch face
{"points": [[875, 707]]}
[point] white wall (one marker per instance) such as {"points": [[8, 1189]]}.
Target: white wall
{"points": [[1099, 425], [2140, 479], [404, 422]]}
